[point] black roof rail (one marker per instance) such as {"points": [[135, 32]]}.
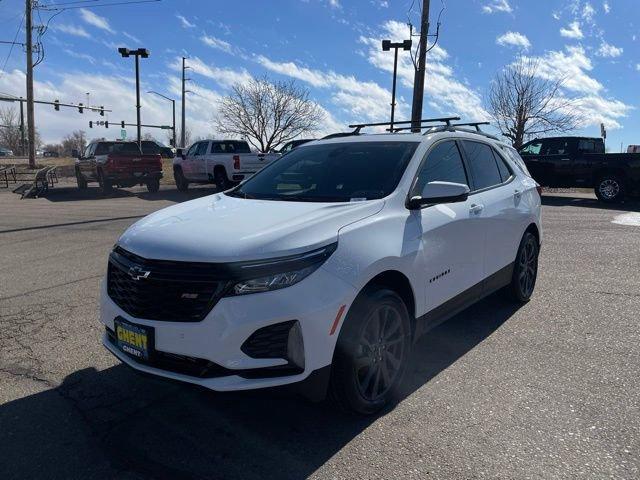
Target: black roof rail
{"points": [[446, 120], [471, 124], [458, 127]]}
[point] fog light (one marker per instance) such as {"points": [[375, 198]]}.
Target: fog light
{"points": [[295, 346]]}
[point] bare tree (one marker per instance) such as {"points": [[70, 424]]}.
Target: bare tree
{"points": [[10, 130], [268, 114], [524, 105], [76, 140]]}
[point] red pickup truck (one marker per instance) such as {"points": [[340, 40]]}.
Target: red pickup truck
{"points": [[120, 164]]}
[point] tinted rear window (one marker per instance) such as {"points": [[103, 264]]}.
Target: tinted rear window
{"points": [[104, 148]]}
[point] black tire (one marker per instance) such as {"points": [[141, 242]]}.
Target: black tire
{"points": [[181, 182], [525, 269], [153, 185], [610, 189], [82, 182], [105, 185], [221, 180], [365, 375]]}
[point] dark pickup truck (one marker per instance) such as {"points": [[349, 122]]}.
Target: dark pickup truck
{"points": [[119, 164], [581, 162]]}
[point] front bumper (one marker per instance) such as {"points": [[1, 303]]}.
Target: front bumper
{"points": [[218, 338]]}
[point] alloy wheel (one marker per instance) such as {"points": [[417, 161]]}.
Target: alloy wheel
{"points": [[528, 267], [380, 352], [609, 188]]}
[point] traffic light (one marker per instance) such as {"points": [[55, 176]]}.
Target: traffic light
{"points": [[90, 124], [106, 124], [102, 110], [122, 124], [57, 105], [80, 108]]}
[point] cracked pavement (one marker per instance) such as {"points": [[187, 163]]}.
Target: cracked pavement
{"points": [[548, 390]]}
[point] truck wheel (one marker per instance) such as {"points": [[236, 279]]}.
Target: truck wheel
{"points": [[153, 185], [181, 182], [221, 180], [372, 352], [610, 189], [82, 182], [525, 270], [105, 185]]}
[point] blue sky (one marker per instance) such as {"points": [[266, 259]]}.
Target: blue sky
{"points": [[333, 48]]}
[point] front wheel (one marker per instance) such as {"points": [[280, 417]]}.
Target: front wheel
{"points": [[372, 352], [82, 182], [153, 185], [181, 182], [525, 270], [610, 189]]}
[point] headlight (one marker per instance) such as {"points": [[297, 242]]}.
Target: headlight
{"points": [[276, 273]]}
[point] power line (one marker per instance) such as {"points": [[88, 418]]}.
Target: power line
{"points": [[4, 65], [53, 7]]}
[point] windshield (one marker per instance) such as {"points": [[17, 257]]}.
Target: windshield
{"points": [[335, 172]]}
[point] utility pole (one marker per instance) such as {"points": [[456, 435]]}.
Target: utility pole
{"points": [[30, 114], [144, 53], [182, 130], [22, 139], [418, 79]]}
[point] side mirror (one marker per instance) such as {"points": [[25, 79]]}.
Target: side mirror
{"points": [[180, 153], [75, 153], [439, 192]]}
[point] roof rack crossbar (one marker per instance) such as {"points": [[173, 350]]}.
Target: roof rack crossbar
{"points": [[446, 120], [471, 124]]}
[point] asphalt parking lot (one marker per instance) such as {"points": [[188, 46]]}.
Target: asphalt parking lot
{"points": [[548, 390]]}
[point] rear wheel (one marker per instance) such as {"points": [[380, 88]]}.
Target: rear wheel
{"points": [[221, 180], [82, 182], [371, 353], [181, 182], [105, 185], [525, 270], [610, 189], [153, 185]]}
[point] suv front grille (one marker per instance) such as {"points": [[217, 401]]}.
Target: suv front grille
{"points": [[164, 290]]}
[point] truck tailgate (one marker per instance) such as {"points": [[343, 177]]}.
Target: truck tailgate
{"points": [[253, 162]]}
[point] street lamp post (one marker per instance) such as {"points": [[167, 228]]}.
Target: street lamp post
{"points": [[144, 53], [386, 46], [173, 106]]}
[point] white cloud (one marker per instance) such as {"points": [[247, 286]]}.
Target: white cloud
{"points": [[572, 31], [606, 7], [80, 56], [514, 39], [608, 51], [497, 6], [588, 12], [96, 20], [638, 67], [224, 77], [589, 102], [132, 37], [216, 43], [334, 3], [555, 15], [442, 88], [361, 100], [184, 22], [72, 30]]}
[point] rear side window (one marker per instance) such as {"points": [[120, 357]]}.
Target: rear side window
{"points": [[513, 155], [444, 164], [484, 169], [241, 147], [587, 146], [555, 146], [505, 173]]}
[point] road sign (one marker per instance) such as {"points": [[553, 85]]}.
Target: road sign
{"points": [[123, 134]]}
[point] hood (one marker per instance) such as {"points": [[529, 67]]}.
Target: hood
{"points": [[219, 228]]}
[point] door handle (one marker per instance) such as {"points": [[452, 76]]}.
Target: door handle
{"points": [[565, 159], [517, 193], [476, 208]]}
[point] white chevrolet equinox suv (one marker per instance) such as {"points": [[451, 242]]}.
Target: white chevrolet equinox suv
{"points": [[325, 267]]}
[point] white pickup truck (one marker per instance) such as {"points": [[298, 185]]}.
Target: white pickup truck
{"points": [[222, 162]]}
